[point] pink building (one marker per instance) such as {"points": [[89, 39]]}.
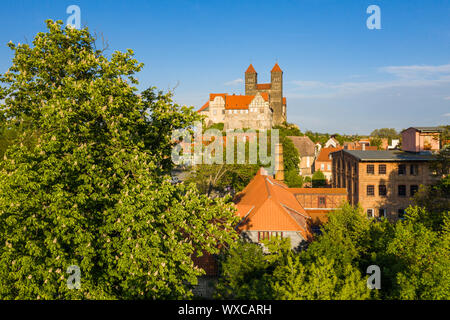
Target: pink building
{"points": [[416, 139]]}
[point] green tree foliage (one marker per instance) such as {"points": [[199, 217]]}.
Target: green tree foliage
{"points": [[293, 179], [389, 133], [92, 191], [220, 177], [413, 258], [318, 179], [376, 142], [280, 273]]}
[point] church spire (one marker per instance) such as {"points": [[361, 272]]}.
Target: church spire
{"points": [[250, 69], [276, 68]]}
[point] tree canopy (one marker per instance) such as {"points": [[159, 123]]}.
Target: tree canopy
{"points": [[93, 189]]}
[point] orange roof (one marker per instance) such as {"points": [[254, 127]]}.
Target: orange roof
{"points": [[265, 95], [267, 205], [325, 152], [250, 69], [276, 68], [263, 86], [341, 191], [238, 102], [206, 105], [212, 96], [234, 101]]}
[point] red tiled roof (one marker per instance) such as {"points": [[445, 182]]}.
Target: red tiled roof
{"points": [[238, 101], [250, 69], [267, 205], [234, 102], [263, 86], [325, 152], [265, 95], [206, 105], [212, 96], [276, 68]]}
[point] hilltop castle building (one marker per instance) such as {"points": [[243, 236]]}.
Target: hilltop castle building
{"points": [[262, 107]]}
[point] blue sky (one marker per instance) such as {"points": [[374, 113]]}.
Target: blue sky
{"points": [[339, 76]]}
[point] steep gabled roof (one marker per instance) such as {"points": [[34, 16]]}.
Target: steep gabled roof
{"points": [[250, 69], [304, 145], [265, 96], [276, 68], [267, 205], [325, 152], [205, 106]]}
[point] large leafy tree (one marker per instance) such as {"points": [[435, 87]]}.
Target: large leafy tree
{"points": [[280, 273], [92, 191]]}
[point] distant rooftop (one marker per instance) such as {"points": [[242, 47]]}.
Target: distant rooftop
{"points": [[426, 129], [389, 155]]}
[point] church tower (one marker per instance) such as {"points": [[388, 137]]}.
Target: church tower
{"points": [[251, 79], [276, 95]]}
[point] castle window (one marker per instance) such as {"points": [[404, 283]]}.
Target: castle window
{"points": [[402, 169], [382, 169], [370, 213], [370, 169]]}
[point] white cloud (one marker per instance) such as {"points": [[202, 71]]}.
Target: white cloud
{"points": [[446, 114], [407, 77], [417, 71], [234, 82]]}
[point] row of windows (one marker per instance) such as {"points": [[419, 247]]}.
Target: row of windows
{"points": [[402, 169], [322, 167], [266, 235], [370, 169], [383, 213], [382, 190]]}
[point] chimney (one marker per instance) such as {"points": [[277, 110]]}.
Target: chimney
{"points": [[279, 167], [364, 146]]}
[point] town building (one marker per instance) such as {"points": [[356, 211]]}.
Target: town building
{"points": [[324, 163], [307, 153], [359, 145], [417, 139], [331, 143], [262, 107], [269, 208], [382, 181]]}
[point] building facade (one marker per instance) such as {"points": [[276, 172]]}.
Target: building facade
{"points": [[381, 182], [417, 139], [306, 152], [324, 163], [262, 107], [269, 208]]}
